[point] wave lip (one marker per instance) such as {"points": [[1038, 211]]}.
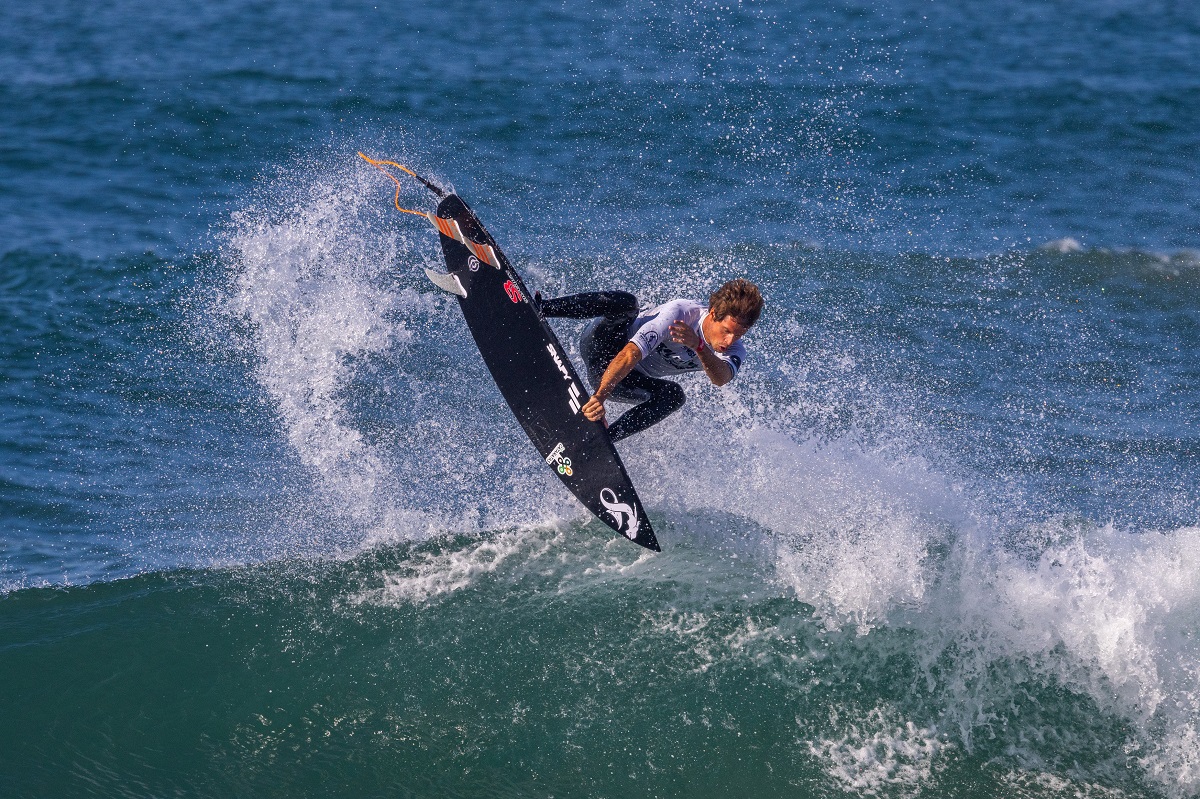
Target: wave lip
{"points": [[1063, 246]]}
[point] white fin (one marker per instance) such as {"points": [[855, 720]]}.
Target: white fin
{"points": [[446, 282]]}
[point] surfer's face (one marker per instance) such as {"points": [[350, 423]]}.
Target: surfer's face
{"points": [[722, 333]]}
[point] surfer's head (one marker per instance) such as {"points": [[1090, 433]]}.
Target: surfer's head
{"points": [[732, 310], [738, 298]]}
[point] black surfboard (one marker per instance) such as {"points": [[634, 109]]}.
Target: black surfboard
{"points": [[534, 374]]}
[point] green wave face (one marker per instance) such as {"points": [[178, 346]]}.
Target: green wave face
{"points": [[542, 663]]}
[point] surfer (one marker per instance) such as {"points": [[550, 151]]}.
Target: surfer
{"points": [[628, 352]]}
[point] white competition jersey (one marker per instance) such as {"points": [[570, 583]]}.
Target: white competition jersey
{"points": [[662, 357]]}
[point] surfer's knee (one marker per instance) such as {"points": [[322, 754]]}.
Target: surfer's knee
{"points": [[671, 396], [624, 303]]}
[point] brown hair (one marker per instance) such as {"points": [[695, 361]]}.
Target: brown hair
{"points": [[738, 298]]}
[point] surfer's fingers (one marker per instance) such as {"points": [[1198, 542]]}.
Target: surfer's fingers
{"points": [[593, 409], [679, 332]]}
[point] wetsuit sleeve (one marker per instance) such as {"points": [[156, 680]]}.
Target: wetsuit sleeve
{"points": [[733, 358]]}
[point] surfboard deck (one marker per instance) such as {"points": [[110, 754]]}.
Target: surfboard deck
{"points": [[536, 378]]}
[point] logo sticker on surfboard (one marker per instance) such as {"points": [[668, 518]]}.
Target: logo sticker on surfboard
{"points": [[514, 293], [557, 459], [574, 398], [623, 513]]}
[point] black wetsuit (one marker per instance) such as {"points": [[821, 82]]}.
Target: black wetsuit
{"points": [[618, 310]]}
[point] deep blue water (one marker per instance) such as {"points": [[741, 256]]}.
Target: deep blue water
{"points": [[267, 528]]}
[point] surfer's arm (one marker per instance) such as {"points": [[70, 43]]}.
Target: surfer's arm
{"points": [[629, 357], [718, 371]]}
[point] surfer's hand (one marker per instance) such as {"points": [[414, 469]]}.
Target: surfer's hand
{"points": [[593, 409], [682, 333]]}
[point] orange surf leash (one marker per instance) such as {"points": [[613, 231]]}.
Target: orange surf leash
{"points": [[447, 227]]}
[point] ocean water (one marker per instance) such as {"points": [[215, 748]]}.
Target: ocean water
{"points": [[268, 529]]}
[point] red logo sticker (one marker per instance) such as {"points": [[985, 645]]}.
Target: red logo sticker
{"points": [[514, 293]]}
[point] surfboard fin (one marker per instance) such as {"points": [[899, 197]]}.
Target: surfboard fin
{"points": [[446, 282]]}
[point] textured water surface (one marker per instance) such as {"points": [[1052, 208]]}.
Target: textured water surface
{"points": [[268, 529]]}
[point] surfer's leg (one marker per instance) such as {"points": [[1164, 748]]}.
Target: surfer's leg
{"points": [[665, 398], [607, 336], [612, 305]]}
